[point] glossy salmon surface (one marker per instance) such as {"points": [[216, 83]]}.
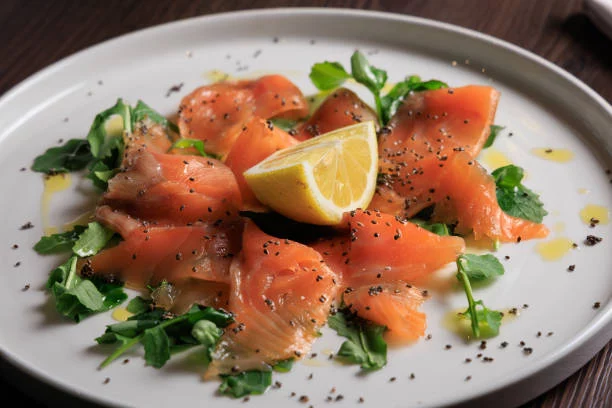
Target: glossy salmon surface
{"points": [[281, 295], [341, 108], [257, 140], [216, 113]]}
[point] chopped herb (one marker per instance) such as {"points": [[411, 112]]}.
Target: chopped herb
{"points": [[514, 198], [283, 366], [365, 345]]}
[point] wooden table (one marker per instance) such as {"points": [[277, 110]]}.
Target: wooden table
{"points": [[37, 33]]}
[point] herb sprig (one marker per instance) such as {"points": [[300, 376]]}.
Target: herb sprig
{"points": [[365, 345], [514, 198], [329, 75], [485, 322]]}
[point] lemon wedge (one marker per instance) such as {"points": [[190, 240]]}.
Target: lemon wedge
{"points": [[318, 180]]}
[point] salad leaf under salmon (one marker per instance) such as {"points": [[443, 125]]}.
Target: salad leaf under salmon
{"points": [[215, 268]]}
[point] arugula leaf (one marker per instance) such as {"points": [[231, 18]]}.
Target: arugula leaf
{"points": [[192, 143], [485, 322], [138, 305], [328, 75], [92, 240], [495, 129], [157, 346], [391, 102], [245, 383], [61, 242], [99, 138], [161, 334], [77, 298], [74, 155], [365, 345], [480, 267], [516, 199], [142, 111]]}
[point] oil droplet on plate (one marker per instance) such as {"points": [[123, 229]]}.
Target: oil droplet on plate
{"points": [[559, 227], [52, 185], [554, 249], [495, 159], [121, 314], [556, 155], [216, 75], [595, 212], [583, 191]]}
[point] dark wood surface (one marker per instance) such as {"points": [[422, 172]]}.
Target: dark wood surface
{"points": [[36, 33]]}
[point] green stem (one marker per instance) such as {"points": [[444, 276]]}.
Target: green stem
{"points": [[463, 278]]}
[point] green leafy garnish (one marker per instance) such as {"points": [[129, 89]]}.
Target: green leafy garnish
{"points": [[365, 345], [283, 366], [61, 242], [245, 383], [74, 155], [162, 334], [436, 228], [284, 124], [92, 239], [192, 143], [77, 298], [480, 267], [329, 75], [495, 129], [142, 111], [391, 102], [516, 199], [485, 322]]}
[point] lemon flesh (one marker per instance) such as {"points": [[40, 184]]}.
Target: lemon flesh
{"points": [[318, 180]]}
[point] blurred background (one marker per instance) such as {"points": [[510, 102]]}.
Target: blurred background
{"points": [[36, 33]]}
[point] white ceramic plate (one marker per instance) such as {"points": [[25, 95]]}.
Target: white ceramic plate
{"points": [[541, 105]]}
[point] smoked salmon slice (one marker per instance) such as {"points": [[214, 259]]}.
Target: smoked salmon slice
{"points": [[426, 157], [281, 294], [464, 196], [444, 119], [394, 305], [257, 140], [216, 113], [173, 189], [383, 249], [341, 108], [150, 254]]}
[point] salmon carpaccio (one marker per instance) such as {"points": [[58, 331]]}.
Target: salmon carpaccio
{"points": [[427, 156], [281, 295], [379, 260], [216, 113], [182, 219]]}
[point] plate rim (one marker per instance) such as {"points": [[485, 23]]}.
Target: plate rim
{"points": [[600, 324]]}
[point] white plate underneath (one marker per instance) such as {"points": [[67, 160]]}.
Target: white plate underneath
{"points": [[541, 106]]}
